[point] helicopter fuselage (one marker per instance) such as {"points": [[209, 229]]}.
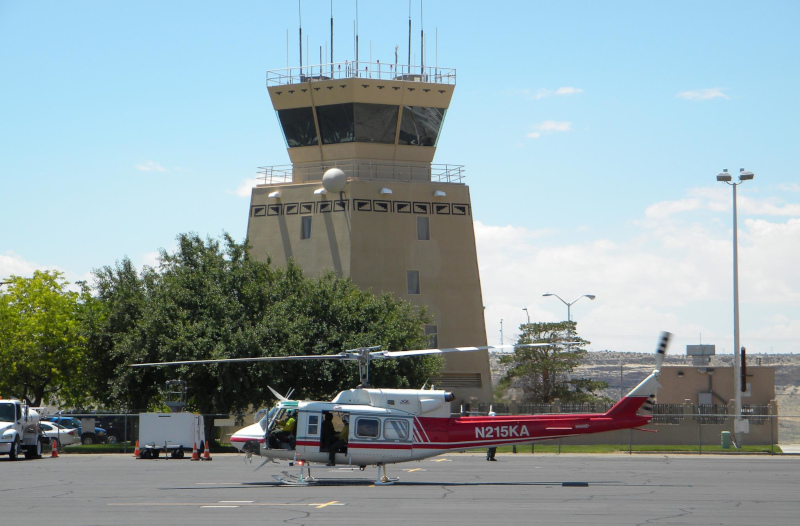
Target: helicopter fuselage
{"points": [[401, 425]]}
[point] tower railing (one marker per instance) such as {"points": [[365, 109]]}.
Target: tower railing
{"points": [[364, 170], [364, 70]]}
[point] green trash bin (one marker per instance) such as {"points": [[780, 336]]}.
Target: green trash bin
{"points": [[725, 437]]}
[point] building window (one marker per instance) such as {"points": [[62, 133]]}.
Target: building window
{"points": [[357, 122], [432, 334], [412, 280], [423, 229], [305, 228], [298, 127], [420, 126]]}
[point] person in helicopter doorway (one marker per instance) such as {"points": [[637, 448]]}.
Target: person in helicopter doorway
{"points": [[287, 431], [490, 452], [340, 443], [328, 432]]}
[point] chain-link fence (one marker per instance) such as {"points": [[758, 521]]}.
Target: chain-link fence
{"points": [[692, 425]]}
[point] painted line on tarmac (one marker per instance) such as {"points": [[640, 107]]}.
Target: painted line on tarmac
{"points": [[228, 504]]}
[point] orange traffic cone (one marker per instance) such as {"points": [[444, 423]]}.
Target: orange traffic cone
{"points": [[206, 452], [136, 452], [195, 456], [54, 454]]}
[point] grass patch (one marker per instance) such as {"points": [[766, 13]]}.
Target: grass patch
{"points": [[612, 448]]}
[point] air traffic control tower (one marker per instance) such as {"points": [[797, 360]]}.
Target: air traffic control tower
{"points": [[363, 197]]}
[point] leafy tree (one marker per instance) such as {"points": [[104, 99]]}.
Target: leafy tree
{"points": [[543, 374], [210, 300], [42, 344]]}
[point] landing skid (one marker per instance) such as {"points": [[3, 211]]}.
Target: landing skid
{"points": [[292, 480], [383, 479]]}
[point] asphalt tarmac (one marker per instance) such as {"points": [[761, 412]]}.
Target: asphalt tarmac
{"points": [[458, 489]]}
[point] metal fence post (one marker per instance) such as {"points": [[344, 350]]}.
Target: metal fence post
{"points": [[699, 437], [630, 441]]}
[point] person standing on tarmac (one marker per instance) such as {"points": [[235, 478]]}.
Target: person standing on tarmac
{"points": [[490, 452]]}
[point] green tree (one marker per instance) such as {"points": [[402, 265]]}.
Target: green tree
{"points": [[543, 374], [210, 300], [42, 343]]}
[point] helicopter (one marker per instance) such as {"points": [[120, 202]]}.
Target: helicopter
{"points": [[392, 426]]}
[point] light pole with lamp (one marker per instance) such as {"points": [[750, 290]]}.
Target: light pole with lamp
{"points": [[739, 425], [528, 314], [569, 316]]}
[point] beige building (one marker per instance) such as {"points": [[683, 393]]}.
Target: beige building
{"points": [[363, 198]]}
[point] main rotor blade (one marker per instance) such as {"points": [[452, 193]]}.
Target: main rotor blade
{"points": [[256, 359], [490, 348], [350, 354]]}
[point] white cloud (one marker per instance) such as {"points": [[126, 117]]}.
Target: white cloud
{"points": [[673, 274], [150, 166], [542, 93], [12, 264], [245, 189], [718, 199], [548, 127], [568, 90], [703, 94]]}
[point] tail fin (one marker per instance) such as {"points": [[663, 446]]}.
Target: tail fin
{"points": [[643, 394]]}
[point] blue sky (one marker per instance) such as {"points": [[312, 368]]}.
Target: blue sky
{"points": [[591, 133]]}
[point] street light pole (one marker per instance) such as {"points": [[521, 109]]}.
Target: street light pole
{"points": [[739, 425], [528, 314]]}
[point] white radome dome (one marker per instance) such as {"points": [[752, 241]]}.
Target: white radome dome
{"points": [[334, 180]]}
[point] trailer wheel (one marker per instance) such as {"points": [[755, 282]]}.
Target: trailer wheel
{"points": [[156, 453], [146, 454]]}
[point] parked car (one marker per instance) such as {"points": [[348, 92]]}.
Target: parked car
{"points": [[98, 436], [60, 435]]}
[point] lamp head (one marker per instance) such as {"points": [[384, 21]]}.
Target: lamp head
{"points": [[547, 294], [590, 296], [745, 175], [724, 176]]}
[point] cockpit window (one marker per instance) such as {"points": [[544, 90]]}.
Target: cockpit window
{"points": [[270, 418]]}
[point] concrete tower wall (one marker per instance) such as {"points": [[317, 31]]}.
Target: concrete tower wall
{"points": [[399, 226]]}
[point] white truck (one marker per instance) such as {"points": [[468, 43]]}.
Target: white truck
{"points": [[19, 430], [173, 433]]}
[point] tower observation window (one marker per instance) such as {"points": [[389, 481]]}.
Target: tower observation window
{"points": [[357, 122], [336, 123], [298, 127], [420, 126]]}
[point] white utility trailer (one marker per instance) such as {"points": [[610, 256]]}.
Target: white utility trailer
{"points": [[170, 433]]}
